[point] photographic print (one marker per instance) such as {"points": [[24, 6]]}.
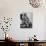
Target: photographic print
{"points": [[26, 20]]}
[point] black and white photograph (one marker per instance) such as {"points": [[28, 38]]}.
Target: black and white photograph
{"points": [[26, 20]]}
